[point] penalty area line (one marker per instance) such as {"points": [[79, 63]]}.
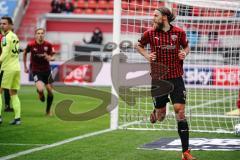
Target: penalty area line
{"points": [[29, 151]]}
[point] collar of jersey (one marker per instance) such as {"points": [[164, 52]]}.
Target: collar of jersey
{"points": [[171, 27]]}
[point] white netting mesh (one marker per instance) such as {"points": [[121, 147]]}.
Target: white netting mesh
{"points": [[211, 70]]}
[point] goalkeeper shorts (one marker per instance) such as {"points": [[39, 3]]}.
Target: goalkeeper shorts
{"points": [[10, 79]]}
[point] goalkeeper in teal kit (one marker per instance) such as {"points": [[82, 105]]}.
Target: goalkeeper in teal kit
{"points": [[10, 69]]}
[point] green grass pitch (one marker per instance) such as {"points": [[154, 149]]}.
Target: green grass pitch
{"points": [[38, 130]]}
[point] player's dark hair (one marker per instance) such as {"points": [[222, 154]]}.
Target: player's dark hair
{"points": [[39, 29], [166, 12], [9, 19]]}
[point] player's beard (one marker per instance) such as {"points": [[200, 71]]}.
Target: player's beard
{"points": [[159, 26]]}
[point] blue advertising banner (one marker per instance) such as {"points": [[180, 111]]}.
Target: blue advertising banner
{"points": [[198, 76], [7, 7]]}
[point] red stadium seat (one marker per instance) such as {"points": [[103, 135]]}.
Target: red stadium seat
{"points": [[174, 5], [109, 12], [205, 13], [196, 11], [124, 12], [132, 12], [210, 14], [146, 5], [110, 4], [125, 5], [92, 4], [145, 12], [219, 14], [78, 11], [103, 4], [228, 14], [156, 4], [134, 5], [80, 4], [89, 11], [202, 12], [100, 11]]}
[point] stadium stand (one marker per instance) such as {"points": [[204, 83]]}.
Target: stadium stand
{"points": [[103, 8], [29, 22]]}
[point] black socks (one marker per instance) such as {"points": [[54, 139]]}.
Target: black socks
{"points": [[183, 132]]}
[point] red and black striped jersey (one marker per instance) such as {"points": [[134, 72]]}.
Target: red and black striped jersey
{"points": [[167, 46], [37, 62]]}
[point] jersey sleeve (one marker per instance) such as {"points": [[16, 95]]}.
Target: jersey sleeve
{"points": [[6, 45], [144, 40], [28, 48], [183, 40], [50, 49]]}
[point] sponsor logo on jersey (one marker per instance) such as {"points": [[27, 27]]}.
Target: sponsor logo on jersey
{"points": [[168, 47], [45, 48], [174, 37], [4, 41]]}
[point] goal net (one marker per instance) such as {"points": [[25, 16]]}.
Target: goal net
{"points": [[212, 72]]}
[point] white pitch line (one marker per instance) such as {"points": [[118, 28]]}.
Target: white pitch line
{"points": [[29, 151], [211, 102], [20, 144]]}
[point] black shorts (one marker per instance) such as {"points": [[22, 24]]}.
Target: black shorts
{"points": [[177, 93], [45, 77]]}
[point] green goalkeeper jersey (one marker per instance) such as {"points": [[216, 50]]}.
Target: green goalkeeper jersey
{"points": [[10, 52]]}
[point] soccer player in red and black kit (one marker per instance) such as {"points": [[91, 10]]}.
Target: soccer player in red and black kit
{"points": [[41, 54], [169, 47]]}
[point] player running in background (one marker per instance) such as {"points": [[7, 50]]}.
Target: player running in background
{"points": [[41, 54], [10, 67], [169, 47]]}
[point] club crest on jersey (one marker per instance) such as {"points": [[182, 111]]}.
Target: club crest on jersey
{"points": [[45, 48], [4, 41], [174, 37], [35, 49]]}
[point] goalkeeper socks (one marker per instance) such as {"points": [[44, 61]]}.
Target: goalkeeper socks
{"points": [[7, 97], [183, 134], [49, 103], [16, 106], [0, 105]]}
